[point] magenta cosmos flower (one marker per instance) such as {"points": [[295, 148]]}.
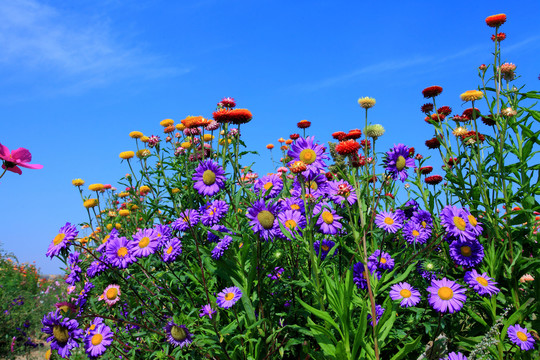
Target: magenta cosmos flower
{"points": [[62, 240], [209, 178], [397, 161], [446, 295], [228, 297], [15, 158], [408, 295], [312, 154], [521, 337]]}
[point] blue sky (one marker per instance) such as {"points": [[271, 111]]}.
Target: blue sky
{"points": [[78, 76]]}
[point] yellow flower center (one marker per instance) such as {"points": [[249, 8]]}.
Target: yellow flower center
{"points": [[64, 308], [313, 185], [112, 293], [268, 186], [327, 217], [308, 156], [482, 281], [388, 220], [178, 333], [472, 220], [295, 207], [445, 293], [383, 261], [466, 251], [415, 233], [209, 177], [400, 163], [424, 224], [97, 339], [325, 248], [58, 238], [229, 296], [105, 239], [266, 219], [405, 293], [61, 334], [291, 224], [169, 250], [460, 223], [144, 242], [521, 336], [122, 251], [92, 327]]}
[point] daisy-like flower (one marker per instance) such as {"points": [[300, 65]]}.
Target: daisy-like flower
{"points": [[264, 219], [380, 261], [83, 296], [474, 225], [433, 179], [292, 203], [228, 297], [359, 275], [171, 250], [455, 356], [341, 191], [75, 269], [433, 143], [273, 184], [221, 246], [111, 294], [97, 340], [145, 242], [292, 221], [415, 233], [424, 218], [388, 221], [455, 221], [310, 153], [397, 161], [188, 219], [521, 337], [446, 295], [209, 178], [324, 247], [468, 253], [366, 102], [164, 233], [178, 335], [213, 212], [496, 20], [206, 310], [347, 147], [315, 186], [276, 274], [328, 221], [379, 311], [210, 236], [481, 283], [472, 95], [432, 91], [119, 253], [64, 333], [62, 240], [408, 295]]}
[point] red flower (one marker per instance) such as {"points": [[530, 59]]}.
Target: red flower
{"points": [[468, 113], [452, 161], [294, 136], [427, 108], [227, 102], [363, 144], [390, 195], [15, 158], [221, 116], [240, 116], [354, 134], [303, 124], [431, 91], [500, 37], [339, 135], [489, 121], [424, 170], [470, 137], [496, 20], [483, 67], [411, 151], [444, 110], [434, 179], [357, 160], [347, 147], [460, 118], [329, 176], [433, 143]]}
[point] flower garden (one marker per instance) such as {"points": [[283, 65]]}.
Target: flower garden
{"points": [[344, 251]]}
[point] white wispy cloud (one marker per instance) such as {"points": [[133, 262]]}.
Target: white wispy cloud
{"points": [[82, 52]]}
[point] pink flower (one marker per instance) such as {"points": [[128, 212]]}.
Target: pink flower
{"points": [[16, 158]]}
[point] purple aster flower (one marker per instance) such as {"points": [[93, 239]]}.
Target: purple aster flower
{"points": [[292, 203], [83, 296], [188, 219], [171, 250], [96, 267], [446, 295], [467, 253], [415, 233], [293, 223], [145, 242], [410, 207], [521, 337], [264, 219], [473, 224], [221, 246], [455, 356], [228, 297], [481, 283], [209, 178], [424, 218], [113, 234], [213, 212], [64, 333], [219, 228], [324, 247], [314, 186], [75, 270], [273, 184], [397, 161], [119, 253], [97, 340], [341, 191], [456, 223], [62, 240], [276, 274], [359, 275], [164, 233], [177, 335], [388, 221], [328, 221], [312, 154], [206, 310], [379, 311], [408, 295], [380, 261]]}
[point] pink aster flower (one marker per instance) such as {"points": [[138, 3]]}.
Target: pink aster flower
{"points": [[15, 158]]}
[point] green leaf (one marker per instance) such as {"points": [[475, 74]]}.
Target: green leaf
{"points": [[324, 338], [407, 349], [515, 317], [323, 315]]}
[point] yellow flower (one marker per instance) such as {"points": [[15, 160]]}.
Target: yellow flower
{"points": [[127, 155], [123, 194], [90, 203], [460, 130], [95, 187], [180, 127], [141, 154], [186, 145], [366, 102], [471, 95], [77, 182], [208, 137], [144, 139], [118, 226], [136, 134], [109, 227], [166, 122], [175, 190], [48, 354], [222, 141], [144, 190], [123, 212], [133, 206]]}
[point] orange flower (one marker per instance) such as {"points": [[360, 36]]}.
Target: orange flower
{"points": [[195, 121], [221, 116], [240, 116], [303, 124], [496, 20], [270, 146], [298, 167]]}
